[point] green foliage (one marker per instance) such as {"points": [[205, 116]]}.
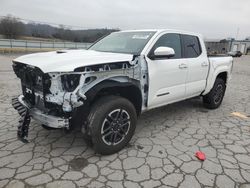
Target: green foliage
{"points": [[11, 27]]}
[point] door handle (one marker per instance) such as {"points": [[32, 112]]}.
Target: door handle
{"points": [[204, 64], [182, 66]]}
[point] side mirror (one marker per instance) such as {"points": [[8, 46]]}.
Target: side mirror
{"points": [[163, 52]]}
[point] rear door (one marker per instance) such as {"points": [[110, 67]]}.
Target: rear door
{"points": [[197, 63]]}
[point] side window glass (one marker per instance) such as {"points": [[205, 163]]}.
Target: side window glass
{"points": [[191, 46], [171, 40]]}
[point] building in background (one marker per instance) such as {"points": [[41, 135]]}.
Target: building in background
{"points": [[227, 45]]}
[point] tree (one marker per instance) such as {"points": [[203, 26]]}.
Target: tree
{"points": [[10, 27]]}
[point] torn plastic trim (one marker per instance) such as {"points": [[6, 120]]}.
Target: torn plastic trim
{"points": [[118, 75]]}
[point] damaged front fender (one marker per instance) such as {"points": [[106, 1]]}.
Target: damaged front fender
{"points": [[69, 89]]}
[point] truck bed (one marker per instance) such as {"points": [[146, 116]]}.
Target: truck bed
{"points": [[220, 60]]}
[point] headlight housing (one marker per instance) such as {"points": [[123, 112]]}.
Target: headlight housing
{"points": [[70, 81]]}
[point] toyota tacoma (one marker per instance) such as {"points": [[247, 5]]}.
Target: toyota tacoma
{"points": [[106, 87]]}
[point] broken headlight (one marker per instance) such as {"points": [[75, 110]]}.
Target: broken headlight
{"points": [[70, 81]]}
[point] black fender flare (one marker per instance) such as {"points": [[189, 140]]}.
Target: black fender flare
{"points": [[107, 84]]}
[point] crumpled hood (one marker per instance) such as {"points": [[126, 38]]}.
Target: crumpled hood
{"points": [[68, 60]]}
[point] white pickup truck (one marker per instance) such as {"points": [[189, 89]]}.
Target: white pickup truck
{"points": [[105, 88]]}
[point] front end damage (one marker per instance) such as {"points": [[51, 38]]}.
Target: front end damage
{"points": [[53, 99]]}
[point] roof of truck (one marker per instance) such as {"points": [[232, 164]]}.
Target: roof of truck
{"points": [[163, 30]]}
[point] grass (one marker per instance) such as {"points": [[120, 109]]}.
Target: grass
{"points": [[40, 39]]}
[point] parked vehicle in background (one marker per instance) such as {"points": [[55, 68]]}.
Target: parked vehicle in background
{"points": [[235, 53], [107, 87]]}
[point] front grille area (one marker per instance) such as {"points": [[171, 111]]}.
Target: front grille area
{"points": [[35, 86], [32, 80]]}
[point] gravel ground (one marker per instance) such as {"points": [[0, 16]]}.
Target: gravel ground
{"points": [[161, 154]]}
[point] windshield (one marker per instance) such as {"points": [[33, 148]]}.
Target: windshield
{"points": [[123, 42]]}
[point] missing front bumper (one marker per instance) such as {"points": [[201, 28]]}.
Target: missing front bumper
{"points": [[44, 119]]}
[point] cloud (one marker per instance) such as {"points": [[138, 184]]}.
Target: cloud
{"points": [[213, 18]]}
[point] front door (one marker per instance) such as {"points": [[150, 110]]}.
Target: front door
{"points": [[167, 76]]}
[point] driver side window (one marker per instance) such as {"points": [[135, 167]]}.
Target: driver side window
{"points": [[171, 40]]}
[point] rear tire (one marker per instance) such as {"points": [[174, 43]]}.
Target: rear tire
{"points": [[215, 97], [112, 122]]}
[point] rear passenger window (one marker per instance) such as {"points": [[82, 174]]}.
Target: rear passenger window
{"points": [[171, 40], [191, 46]]}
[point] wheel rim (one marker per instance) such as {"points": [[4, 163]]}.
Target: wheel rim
{"points": [[218, 94], [115, 127]]}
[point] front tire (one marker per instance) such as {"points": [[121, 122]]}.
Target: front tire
{"points": [[112, 122], [215, 97]]}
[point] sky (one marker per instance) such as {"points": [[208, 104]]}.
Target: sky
{"points": [[215, 19]]}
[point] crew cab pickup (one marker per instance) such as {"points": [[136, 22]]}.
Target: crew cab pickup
{"points": [[105, 88]]}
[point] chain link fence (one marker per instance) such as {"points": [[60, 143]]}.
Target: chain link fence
{"points": [[32, 44]]}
